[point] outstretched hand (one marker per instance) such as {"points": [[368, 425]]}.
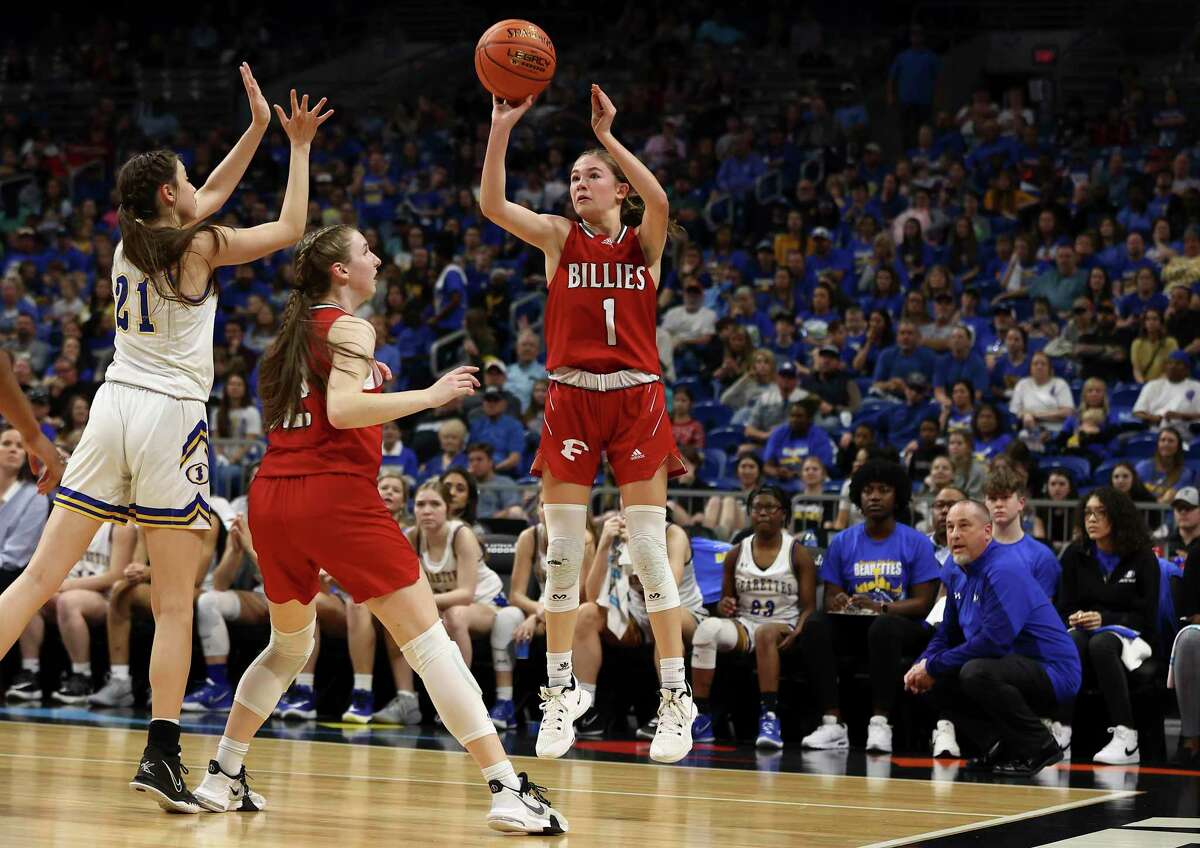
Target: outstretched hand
{"points": [[504, 114], [46, 463], [301, 125], [603, 111], [260, 112], [453, 385]]}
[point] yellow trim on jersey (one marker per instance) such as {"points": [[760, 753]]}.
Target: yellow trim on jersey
{"points": [[89, 512]]}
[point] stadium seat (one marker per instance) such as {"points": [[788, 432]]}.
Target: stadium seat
{"points": [[715, 461], [1138, 445], [1103, 472], [725, 438], [1077, 467], [1124, 397], [712, 414], [700, 388]]}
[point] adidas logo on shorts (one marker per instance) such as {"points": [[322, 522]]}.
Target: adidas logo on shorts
{"points": [[637, 454]]}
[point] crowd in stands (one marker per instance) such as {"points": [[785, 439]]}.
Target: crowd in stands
{"points": [[1012, 293]]}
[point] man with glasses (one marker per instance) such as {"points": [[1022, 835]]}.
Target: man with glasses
{"points": [[942, 502]]}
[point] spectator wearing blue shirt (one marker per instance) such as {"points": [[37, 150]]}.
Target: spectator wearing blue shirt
{"points": [[912, 80], [499, 429], [961, 362], [22, 516], [902, 421], [452, 437], [828, 263], [881, 576], [1000, 657], [398, 454], [526, 371], [1145, 296], [1061, 284], [1005, 496], [790, 443], [897, 362], [1126, 267], [1165, 473], [449, 293], [741, 169]]}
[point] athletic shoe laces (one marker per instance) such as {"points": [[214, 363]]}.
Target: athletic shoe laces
{"points": [[671, 712], [554, 705], [528, 787]]}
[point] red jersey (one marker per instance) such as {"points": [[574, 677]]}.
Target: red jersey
{"points": [[602, 308], [309, 444]]}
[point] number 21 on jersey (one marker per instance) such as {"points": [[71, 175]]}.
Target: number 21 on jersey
{"points": [[122, 305]]}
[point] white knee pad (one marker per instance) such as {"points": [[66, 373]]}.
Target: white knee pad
{"points": [[273, 671], [647, 526], [449, 683], [565, 528], [213, 609], [712, 635], [506, 623]]}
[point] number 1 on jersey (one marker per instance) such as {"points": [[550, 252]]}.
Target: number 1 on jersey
{"points": [[610, 319]]}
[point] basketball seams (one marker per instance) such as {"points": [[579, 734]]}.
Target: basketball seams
{"points": [[511, 70], [522, 63]]}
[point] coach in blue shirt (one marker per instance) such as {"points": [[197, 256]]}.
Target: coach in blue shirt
{"points": [[1001, 656]]}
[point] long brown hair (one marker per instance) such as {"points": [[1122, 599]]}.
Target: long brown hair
{"points": [[290, 361], [155, 251], [632, 205]]}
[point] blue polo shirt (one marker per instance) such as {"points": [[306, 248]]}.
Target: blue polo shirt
{"points": [[505, 434], [950, 370], [893, 362]]}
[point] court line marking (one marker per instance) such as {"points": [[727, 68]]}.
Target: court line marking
{"points": [[522, 757], [711, 799], [1015, 817]]}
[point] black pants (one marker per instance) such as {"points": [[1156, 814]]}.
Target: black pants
{"points": [[8, 661], [886, 642], [1100, 655], [999, 699]]}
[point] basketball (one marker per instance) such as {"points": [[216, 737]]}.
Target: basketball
{"points": [[515, 59]]}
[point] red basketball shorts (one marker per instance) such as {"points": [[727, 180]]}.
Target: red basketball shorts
{"points": [[630, 426], [335, 522]]}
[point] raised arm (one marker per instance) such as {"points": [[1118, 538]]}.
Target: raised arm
{"points": [[238, 246], [546, 232], [653, 230], [211, 196], [348, 406]]}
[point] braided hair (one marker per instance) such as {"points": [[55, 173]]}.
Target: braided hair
{"points": [[290, 362], [156, 251]]}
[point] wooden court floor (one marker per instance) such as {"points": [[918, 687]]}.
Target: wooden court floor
{"points": [[66, 785]]}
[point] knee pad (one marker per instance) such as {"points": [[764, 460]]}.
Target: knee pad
{"points": [[213, 609], [506, 623], [565, 527], [704, 643], [647, 527], [274, 670], [449, 683]]}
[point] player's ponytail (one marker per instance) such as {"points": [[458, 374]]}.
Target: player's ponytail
{"points": [[288, 363], [156, 251], [632, 206]]}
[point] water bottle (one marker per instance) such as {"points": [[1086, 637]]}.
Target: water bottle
{"points": [[521, 649]]}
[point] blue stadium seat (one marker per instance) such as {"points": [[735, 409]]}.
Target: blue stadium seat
{"points": [[1124, 397], [713, 468], [1103, 472], [700, 388], [725, 438], [1077, 467], [712, 414], [1138, 445]]}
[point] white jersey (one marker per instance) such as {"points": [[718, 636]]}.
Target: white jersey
{"points": [[443, 574], [96, 558], [161, 345], [767, 594]]}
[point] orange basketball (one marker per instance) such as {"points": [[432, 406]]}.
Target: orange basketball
{"points": [[515, 59]]}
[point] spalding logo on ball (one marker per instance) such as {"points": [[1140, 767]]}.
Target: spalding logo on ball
{"points": [[515, 59]]}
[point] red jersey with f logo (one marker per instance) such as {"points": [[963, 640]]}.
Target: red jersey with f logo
{"points": [[602, 307]]}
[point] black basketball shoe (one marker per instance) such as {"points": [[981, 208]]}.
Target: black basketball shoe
{"points": [[161, 776]]}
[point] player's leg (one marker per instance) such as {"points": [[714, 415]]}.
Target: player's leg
{"points": [[214, 609], [27, 685], [646, 518], [64, 540], [360, 638], [767, 638], [293, 629], [712, 636], [410, 615], [118, 690], [508, 619], [76, 611], [466, 621], [299, 702]]}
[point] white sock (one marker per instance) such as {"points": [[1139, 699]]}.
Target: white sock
{"points": [[305, 678], [81, 668], [34, 665], [503, 772], [230, 754], [590, 688], [120, 672], [670, 672], [363, 681], [408, 693], [559, 670], [504, 693]]}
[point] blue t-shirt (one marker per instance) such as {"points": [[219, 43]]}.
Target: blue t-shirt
{"points": [[435, 466], [915, 72], [1132, 304], [1042, 563], [893, 362], [994, 610], [1156, 481], [789, 450], [950, 370], [505, 434], [884, 570]]}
